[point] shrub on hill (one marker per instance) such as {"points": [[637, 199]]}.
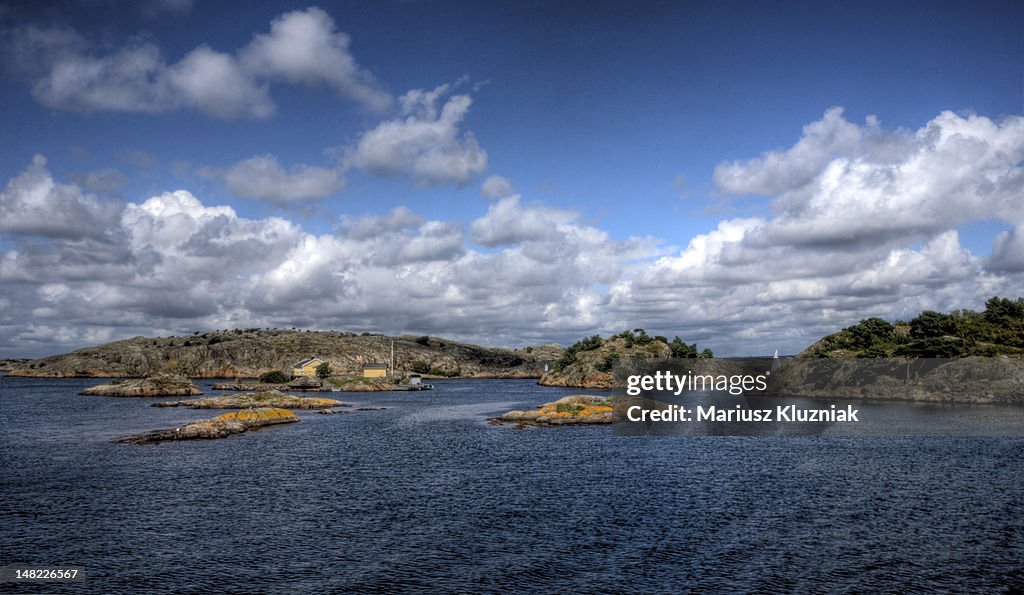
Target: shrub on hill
{"points": [[274, 377], [998, 330]]}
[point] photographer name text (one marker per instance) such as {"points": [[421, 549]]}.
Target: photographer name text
{"points": [[713, 413]]}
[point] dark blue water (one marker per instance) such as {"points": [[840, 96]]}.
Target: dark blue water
{"points": [[426, 497]]}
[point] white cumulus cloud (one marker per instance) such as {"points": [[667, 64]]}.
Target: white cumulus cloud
{"points": [[34, 203], [425, 141], [497, 187], [263, 177], [302, 47], [1008, 251]]}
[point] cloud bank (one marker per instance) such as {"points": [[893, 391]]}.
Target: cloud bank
{"points": [[864, 221]]}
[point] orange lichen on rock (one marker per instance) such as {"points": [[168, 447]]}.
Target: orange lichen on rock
{"points": [[570, 410], [221, 426], [254, 418]]}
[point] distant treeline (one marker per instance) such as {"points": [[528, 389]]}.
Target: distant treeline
{"points": [[997, 330]]}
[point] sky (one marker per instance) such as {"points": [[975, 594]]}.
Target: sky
{"points": [[748, 176]]}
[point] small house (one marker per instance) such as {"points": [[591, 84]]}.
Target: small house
{"points": [[306, 367], [375, 370]]}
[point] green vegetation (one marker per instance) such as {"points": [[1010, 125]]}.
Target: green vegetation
{"points": [[444, 373], [323, 370], [608, 363], [635, 338], [588, 344], [570, 408], [274, 377], [998, 330]]}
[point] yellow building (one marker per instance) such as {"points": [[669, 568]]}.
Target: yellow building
{"points": [[375, 370], [306, 367]]}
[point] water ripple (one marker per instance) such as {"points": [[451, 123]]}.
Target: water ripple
{"points": [[424, 497]]}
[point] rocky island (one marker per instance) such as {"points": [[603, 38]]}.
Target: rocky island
{"points": [[249, 353], [272, 398], [221, 426], [959, 357], [591, 362], [159, 386], [570, 410]]}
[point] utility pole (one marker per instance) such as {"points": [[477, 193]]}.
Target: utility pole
{"points": [[392, 359]]}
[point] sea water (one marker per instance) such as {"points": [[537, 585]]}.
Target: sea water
{"points": [[425, 496]]}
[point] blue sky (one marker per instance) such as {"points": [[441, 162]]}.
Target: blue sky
{"points": [[612, 118]]}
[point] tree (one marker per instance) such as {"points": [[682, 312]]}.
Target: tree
{"points": [[930, 324], [1004, 311], [608, 363], [323, 370], [870, 331], [273, 377], [569, 356], [681, 349]]}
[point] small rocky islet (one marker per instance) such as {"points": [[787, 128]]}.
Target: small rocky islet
{"points": [[257, 409], [156, 386], [570, 410], [222, 426], [269, 398]]}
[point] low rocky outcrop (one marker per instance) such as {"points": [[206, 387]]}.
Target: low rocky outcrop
{"points": [[159, 386], [570, 410], [358, 384], [271, 398], [221, 426], [306, 383], [254, 387]]}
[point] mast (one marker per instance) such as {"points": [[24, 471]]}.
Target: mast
{"points": [[392, 372]]}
